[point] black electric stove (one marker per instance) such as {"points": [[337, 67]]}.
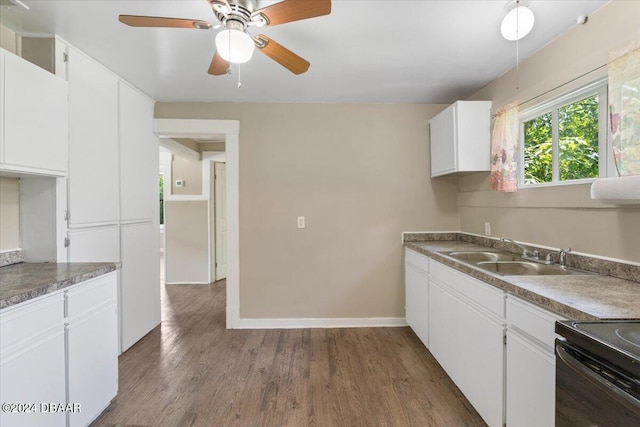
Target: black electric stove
{"points": [[598, 374], [617, 342]]}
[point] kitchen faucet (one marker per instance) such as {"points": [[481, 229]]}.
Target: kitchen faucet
{"points": [[525, 251]]}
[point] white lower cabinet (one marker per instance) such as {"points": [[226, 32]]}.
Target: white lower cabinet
{"points": [[510, 384], [530, 384], [531, 371], [443, 320], [32, 362], [481, 362], [92, 348], [417, 294], [45, 353], [467, 338]]}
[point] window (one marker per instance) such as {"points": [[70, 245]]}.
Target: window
{"points": [[564, 141]]}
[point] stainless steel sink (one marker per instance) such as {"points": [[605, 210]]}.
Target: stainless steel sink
{"points": [[525, 268], [480, 256]]}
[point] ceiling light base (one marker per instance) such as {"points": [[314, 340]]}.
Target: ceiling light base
{"points": [[518, 22]]}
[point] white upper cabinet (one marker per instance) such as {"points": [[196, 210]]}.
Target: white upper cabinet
{"points": [[138, 154], [460, 138], [34, 137], [93, 142]]}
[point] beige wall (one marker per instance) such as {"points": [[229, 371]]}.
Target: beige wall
{"points": [[188, 170], [9, 213], [39, 51], [360, 175], [559, 216], [9, 40], [187, 242]]}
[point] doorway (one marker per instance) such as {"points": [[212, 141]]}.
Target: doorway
{"points": [[228, 130], [218, 220]]}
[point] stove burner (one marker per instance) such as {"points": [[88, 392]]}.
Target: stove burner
{"points": [[630, 335]]}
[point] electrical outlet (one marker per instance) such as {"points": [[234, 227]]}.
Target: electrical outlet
{"points": [[487, 229], [301, 222], [180, 183]]}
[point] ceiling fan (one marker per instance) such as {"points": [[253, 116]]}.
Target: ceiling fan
{"points": [[234, 44]]}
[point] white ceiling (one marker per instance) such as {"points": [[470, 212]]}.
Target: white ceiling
{"points": [[372, 51]]}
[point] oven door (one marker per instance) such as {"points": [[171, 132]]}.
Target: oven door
{"points": [[590, 393]]}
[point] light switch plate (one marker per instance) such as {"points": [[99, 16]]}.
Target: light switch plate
{"points": [[301, 222], [487, 229]]}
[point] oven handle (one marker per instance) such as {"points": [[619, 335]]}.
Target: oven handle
{"points": [[616, 392]]}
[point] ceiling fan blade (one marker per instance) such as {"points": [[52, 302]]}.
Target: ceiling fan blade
{"points": [[293, 10], [156, 21], [281, 54], [218, 65]]}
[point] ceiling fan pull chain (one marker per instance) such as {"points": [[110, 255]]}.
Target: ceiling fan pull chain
{"points": [[239, 82]]}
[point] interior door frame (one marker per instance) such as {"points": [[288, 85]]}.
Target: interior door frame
{"points": [[229, 130]]}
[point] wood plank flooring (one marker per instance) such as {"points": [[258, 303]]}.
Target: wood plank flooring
{"points": [[191, 371]]}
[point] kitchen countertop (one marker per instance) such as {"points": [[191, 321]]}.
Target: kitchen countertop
{"points": [[577, 297], [25, 281]]}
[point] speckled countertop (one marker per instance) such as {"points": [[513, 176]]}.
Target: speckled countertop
{"points": [[25, 281], [578, 297]]}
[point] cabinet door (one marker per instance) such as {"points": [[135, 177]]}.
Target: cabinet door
{"points": [[530, 384], [35, 375], [443, 142], [93, 362], [140, 282], [481, 369], [99, 244], [443, 324], [417, 302], [32, 360], [138, 155], [35, 117], [93, 142]]}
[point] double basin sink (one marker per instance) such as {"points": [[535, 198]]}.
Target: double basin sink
{"points": [[508, 264]]}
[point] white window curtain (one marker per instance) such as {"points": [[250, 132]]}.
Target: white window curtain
{"points": [[505, 139], [624, 108]]}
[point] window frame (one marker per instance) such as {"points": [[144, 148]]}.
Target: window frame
{"points": [[605, 158]]}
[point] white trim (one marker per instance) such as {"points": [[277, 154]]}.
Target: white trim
{"points": [[179, 149], [186, 198], [597, 87], [6, 251], [304, 323], [193, 128]]}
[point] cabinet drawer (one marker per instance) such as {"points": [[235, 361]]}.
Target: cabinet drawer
{"points": [[532, 320], [416, 259], [29, 319], [480, 293], [88, 295]]}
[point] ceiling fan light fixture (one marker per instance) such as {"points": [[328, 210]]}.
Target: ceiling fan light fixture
{"points": [[518, 22], [235, 46]]}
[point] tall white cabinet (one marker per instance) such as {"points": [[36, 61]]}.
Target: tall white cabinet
{"points": [[93, 142], [113, 185]]}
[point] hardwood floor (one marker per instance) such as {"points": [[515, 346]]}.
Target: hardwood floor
{"points": [[191, 371]]}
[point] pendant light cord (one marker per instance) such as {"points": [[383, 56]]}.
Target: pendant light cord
{"points": [[518, 45]]}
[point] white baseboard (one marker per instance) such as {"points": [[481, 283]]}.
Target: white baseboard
{"points": [[365, 322]]}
